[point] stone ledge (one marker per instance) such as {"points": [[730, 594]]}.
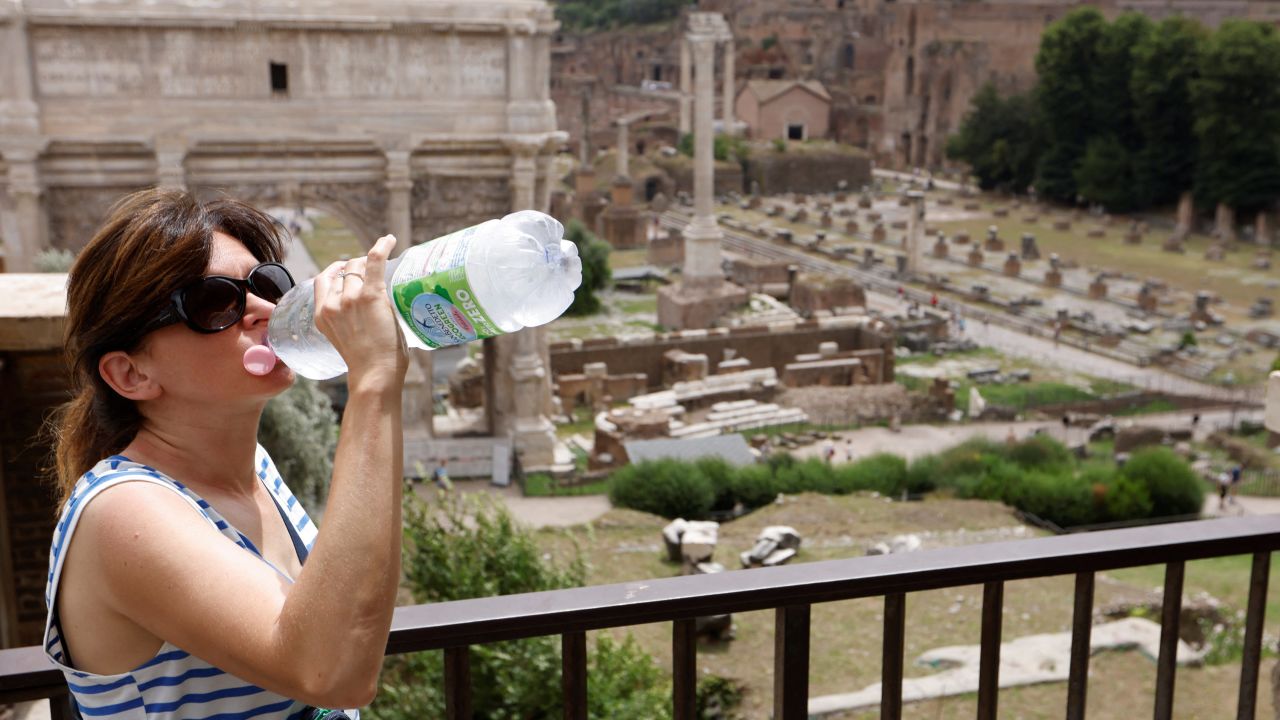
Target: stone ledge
{"points": [[32, 311]]}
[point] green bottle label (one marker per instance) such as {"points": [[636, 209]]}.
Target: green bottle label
{"points": [[438, 302]]}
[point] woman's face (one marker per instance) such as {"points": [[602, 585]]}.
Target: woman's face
{"points": [[209, 368]]}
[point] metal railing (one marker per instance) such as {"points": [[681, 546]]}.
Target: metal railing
{"points": [[791, 591]]}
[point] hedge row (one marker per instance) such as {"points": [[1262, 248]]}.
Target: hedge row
{"points": [[1037, 475]]}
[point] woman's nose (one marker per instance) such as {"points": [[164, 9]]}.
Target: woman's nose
{"points": [[256, 309]]}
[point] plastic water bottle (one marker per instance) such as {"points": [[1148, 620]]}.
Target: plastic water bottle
{"points": [[489, 279]]}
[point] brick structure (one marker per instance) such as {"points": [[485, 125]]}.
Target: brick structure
{"points": [[813, 292], [761, 345], [34, 379]]}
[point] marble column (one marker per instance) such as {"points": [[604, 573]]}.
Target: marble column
{"points": [[532, 430], [685, 89], [915, 232], [729, 86], [399, 199], [624, 150], [524, 178], [24, 194], [1261, 230], [703, 236]]}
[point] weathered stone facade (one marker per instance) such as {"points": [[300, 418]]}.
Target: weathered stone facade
{"points": [[900, 74], [412, 118]]}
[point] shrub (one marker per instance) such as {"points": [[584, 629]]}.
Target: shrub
{"points": [[466, 548], [989, 478], [809, 476], [884, 473], [54, 260], [922, 476], [1127, 499], [754, 486], [596, 275], [1172, 485], [1040, 452], [668, 488], [720, 474], [779, 145], [300, 431], [1063, 498]]}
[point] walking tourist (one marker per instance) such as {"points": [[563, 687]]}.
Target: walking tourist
{"points": [[185, 578]]}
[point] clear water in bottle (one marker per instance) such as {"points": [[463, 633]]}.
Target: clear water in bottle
{"points": [[486, 280]]}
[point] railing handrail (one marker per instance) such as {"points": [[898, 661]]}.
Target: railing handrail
{"points": [[26, 674]]}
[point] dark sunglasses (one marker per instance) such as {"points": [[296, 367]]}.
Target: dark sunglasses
{"points": [[216, 302]]}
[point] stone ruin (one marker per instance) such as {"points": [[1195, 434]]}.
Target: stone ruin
{"points": [[993, 243], [851, 227], [775, 545], [1098, 288], [1201, 312], [814, 292], [1012, 265], [1030, 251], [1148, 301], [899, 544], [828, 367], [1053, 276], [1135, 233], [1216, 252], [595, 388], [878, 233], [961, 238], [975, 257], [466, 384], [1261, 308], [940, 250], [868, 258], [692, 543]]}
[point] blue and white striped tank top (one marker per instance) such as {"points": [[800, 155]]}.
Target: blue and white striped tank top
{"points": [[172, 685]]}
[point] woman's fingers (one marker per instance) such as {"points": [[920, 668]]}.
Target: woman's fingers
{"points": [[376, 260]]}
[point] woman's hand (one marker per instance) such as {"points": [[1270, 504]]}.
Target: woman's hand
{"points": [[353, 311]]}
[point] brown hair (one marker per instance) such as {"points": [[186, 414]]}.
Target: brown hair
{"points": [[152, 243]]}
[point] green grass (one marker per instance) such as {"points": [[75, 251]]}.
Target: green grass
{"points": [[1154, 406], [646, 304], [929, 359], [1226, 578], [543, 485], [619, 259]]}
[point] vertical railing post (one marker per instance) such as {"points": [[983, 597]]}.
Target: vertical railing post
{"points": [[1170, 618], [791, 663], [1253, 622], [457, 683], [989, 657], [684, 662], [895, 615], [1081, 645], [573, 678]]}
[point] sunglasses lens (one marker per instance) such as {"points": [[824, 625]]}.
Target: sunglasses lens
{"points": [[270, 282], [214, 304]]}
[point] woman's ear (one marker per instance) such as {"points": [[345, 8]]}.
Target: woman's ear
{"points": [[125, 374]]}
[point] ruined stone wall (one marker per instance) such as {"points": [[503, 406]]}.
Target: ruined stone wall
{"points": [[763, 346], [810, 171], [31, 385]]}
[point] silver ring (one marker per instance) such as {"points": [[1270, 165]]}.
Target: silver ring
{"points": [[344, 273]]}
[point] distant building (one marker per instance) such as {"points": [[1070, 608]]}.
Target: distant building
{"points": [[787, 109]]}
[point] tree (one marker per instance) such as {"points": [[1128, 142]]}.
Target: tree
{"points": [[1165, 63], [300, 431], [595, 269], [1105, 174], [1237, 109], [999, 139], [1068, 56], [458, 548]]}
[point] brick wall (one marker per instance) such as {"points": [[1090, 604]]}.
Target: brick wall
{"points": [[31, 385]]}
